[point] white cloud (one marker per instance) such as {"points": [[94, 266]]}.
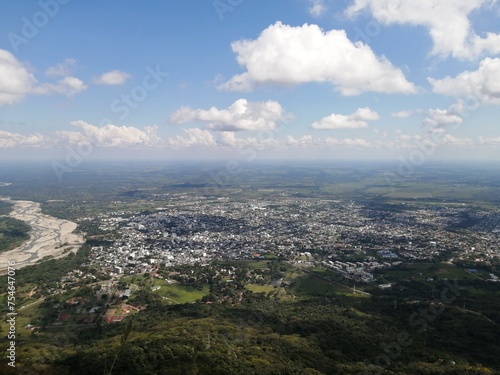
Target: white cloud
{"points": [[355, 120], [107, 136], [317, 8], [111, 135], [347, 142], [447, 22], [290, 55], [402, 114], [15, 80], [68, 86], [195, 137], [304, 141], [241, 115], [72, 138], [482, 85], [451, 140], [61, 69], [489, 141], [307, 141], [12, 140], [439, 118], [114, 77], [228, 139]]}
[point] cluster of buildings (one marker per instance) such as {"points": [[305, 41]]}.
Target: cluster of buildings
{"points": [[359, 271], [192, 230]]}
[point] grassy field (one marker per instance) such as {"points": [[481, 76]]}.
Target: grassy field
{"points": [[256, 288], [177, 293], [305, 284], [423, 272], [253, 264]]}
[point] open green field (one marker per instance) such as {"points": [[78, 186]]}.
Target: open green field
{"points": [[310, 285], [321, 282], [177, 293], [252, 264], [256, 288], [425, 271]]}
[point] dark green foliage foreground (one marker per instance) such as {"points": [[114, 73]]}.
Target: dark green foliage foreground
{"points": [[264, 336], [408, 329]]}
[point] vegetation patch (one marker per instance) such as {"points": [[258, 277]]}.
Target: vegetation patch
{"points": [[13, 233], [5, 207]]}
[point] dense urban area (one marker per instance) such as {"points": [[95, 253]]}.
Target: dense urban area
{"points": [[302, 280], [304, 232]]}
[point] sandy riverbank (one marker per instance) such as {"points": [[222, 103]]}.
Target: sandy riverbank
{"points": [[46, 236]]}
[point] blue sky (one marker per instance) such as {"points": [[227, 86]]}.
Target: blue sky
{"points": [[312, 79]]}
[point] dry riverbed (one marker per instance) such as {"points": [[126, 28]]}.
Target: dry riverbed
{"points": [[48, 236]]}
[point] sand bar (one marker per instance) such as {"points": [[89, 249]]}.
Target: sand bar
{"points": [[47, 236]]}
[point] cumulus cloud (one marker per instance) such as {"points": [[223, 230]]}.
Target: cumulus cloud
{"points": [[482, 84], [15, 80], [438, 118], [355, 120], [402, 114], [111, 135], [228, 139], [241, 115], [68, 86], [308, 141], [193, 137], [317, 8], [61, 69], [348, 142], [290, 55], [494, 141], [447, 22], [304, 141], [451, 140], [12, 140], [114, 77]]}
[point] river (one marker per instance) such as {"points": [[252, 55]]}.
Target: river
{"points": [[47, 236]]}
